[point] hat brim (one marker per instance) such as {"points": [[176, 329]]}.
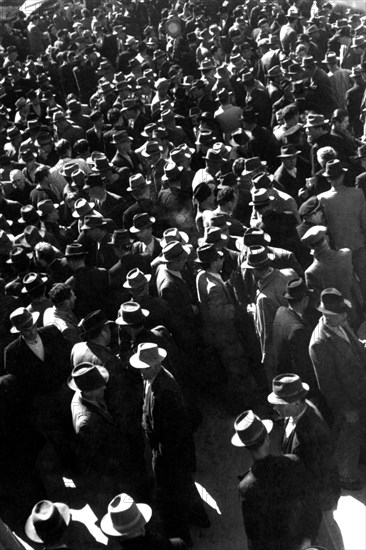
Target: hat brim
{"points": [[134, 229], [73, 386], [262, 203], [120, 321], [136, 363], [107, 527], [275, 400], [127, 285], [186, 253], [327, 175], [35, 315], [30, 530], [322, 309], [295, 154], [237, 442], [75, 214], [307, 125], [42, 282], [267, 261]]}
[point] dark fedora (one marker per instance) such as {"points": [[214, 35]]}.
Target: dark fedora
{"points": [[361, 153], [260, 197], [296, 289], [314, 235], [88, 377], [120, 237], [258, 256], [141, 221], [174, 251], [213, 155], [205, 137], [137, 182], [253, 164], [131, 313], [136, 279], [75, 250], [94, 180], [28, 214], [207, 253], [287, 388], [288, 150], [82, 208], [219, 220], [254, 236], [121, 136], [92, 322], [151, 148], [332, 302], [172, 172], [309, 207], [22, 319], [47, 522], [213, 235], [18, 255], [334, 169], [249, 429], [94, 222], [173, 234], [46, 207], [249, 114], [31, 281], [101, 164]]}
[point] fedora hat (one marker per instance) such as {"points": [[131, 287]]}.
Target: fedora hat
{"points": [[166, 115], [287, 388], [275, 71], [213, 155], [361, 153], [31, 281], [82, 208], [148, 129], [174, 250], [173, 234], [330, 58], [253, 164], [121, 136], [260, 197], [47, 521], [238, 137], [219, 220], [75, 250], [94, 179], [248, 76], [254, 237], [46, 207], [309, 207], [136, 279], [334, 169], [205, 137], [332, 302], [121, 237], [178, 155], [258, 256], [358, 42], [137, 181], [129, 103], [249, 429], [172, 172], [207, 253], [92, 322], [147, 355], [314, 120], [18, 255], [296, 289], [6, 239], [68, 168], [125, 516], [308, 61], [314, 235], [288, 150], [151, 148], [93, 222], [141, 221], [57, 116], [27, 155], [101, 164], [213, 235], [356, 71], [87, 377], [22, 319], [28, 215], [131, 313], [206, 65]]}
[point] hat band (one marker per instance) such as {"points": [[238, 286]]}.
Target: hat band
{"points": [[289, 395], [254, 438], [125, 526]]}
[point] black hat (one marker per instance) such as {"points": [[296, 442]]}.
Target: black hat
{"points": [[258, 256], [332, 302], [309, 207], [207, 253], [75, 250], [92, 322], [296, 290]]}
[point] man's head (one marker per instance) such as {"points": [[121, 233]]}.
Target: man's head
{"points": [[90, 380], [95, 326], [148, 359], [24, 323], [297, 294], [288, 156], [334, 307], [334, 172], [316, 125], [288, 395], [175, 255], [62, 296], [252, 433], [324, 154]]}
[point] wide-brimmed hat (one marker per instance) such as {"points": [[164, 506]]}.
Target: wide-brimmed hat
{"points": [[75, 250], [93, 222], [28, 215], [332, 302], [120, 237], [129, 103], [289, 150], [361, 153], [31, 281], [173, 234], [287, 388], [217, 219], [275, 71], [207, 253], [206, 65], [205, 137], [121, 136], [249, 429], [172, 172], [47, 521], [314, 235], [253, 164], [147, 355], [94, 179], [22, 319], [18, 255], [125, 516], [151, 148], [213, 235], [174, 250], [358, 42], [260, 197], [258, 257], [101, 164], [330, 58], [46, 207], [334, 169], [136, 279], [356, 71], [141, 221], [314, 120], [296, 289], [68, 168], [137, 181], [92, 322], [87, 377], [253, 236], [238, 137], [131, 313]]}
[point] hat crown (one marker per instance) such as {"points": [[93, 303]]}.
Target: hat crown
{"points": [[28, 213], [137, 181], [261, 183], [333, 168], [252, 164], [218, 220], [89, 377], [173, 251], [94, 320], [22, 319], [295, 289], [289, 149], [260, 197], [152, 147], [171, 234], [213, 235], [148, 353], [141, 221], [74, 249], [135, 278], [47, 519], [131, 313], [124, 512], [82, 207], [288, 387], [314, 119], [257, 256], [120, 236], [254, 237], [207, 253], [18, 254], [32, 280], [332, 300], [93, 221], [249, 427]]}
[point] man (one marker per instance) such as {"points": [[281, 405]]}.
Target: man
{"points": [[320, 91], [221, 327], [311, 213], [40, 386], [286, 175], [173, 454], [66, 130], [95, 237], [125, 157], [108, 204], [61, 314], [90, 284], [333, 345], [353, 100], [140, 190], [339, 79], [49, 524], [307, 436], [318, 135], [228, 116], [271, 285], [146, 245], [35, 289], [345, 215], [288, 34], [278, 499]]}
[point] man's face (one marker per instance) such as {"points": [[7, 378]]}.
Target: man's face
{"points": [[312, 134], [150, 372], [285, 411], [290, 162], [30, 334]]}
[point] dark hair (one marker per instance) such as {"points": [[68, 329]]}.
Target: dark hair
{"points": [[225, 195], [40, 173], [80, 147], [339, 115], [45, 251], [113, 115], [238, 166], [59, 293], [62, 146]]}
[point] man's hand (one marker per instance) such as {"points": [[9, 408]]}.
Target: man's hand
{"points": [[351, 417]]}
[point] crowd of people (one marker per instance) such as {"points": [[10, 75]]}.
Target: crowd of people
{"points": [[182, 215]]}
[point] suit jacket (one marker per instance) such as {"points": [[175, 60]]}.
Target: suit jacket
{"points": [[138, 248], [290, 184], [119, 161], [166, 425], [113, 208], [176, 293], [36, 377], [343, 388], [353, 101], [91, 287], [311, 441], [95, 143]]}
